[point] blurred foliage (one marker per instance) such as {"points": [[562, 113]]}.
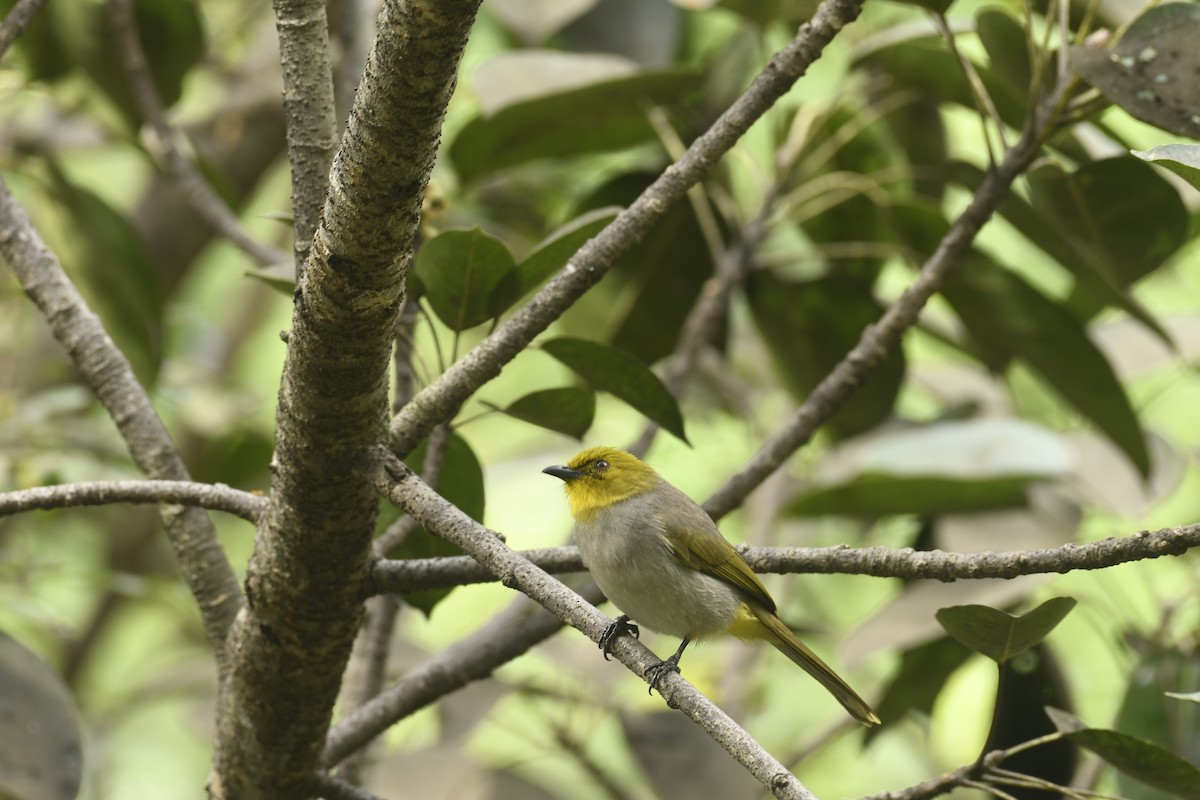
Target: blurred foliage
{"points": [[1047, 395]]}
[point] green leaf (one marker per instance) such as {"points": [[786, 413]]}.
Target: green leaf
{"points": [[877, 495], [597, 118], [1150, 71], [809, 326], [459, 270], [1098, 282], [568, 410], [998, 634], [1151, 709], [1003, 37], [1182, 159], [1138, 758], [460, 481], [547, 258], [923, 673], [1006, 316], [622, 375], [108, 257]]}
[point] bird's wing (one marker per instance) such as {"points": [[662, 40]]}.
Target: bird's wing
{"points": [[702, 547]]}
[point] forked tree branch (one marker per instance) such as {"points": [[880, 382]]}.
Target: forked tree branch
{"points": [[215, 497], [880, 562], [106, 371], [438, 401], [401, 486]]}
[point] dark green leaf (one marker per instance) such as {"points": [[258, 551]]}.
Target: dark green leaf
{"points": [[1182, 159], [568, 411], [1004, 40], [1007, 316], [877, 495], [107, 256], [460, 481], [923, 673], [620, 374], [459, 270], [1146, 761], [600, 117], [998, 634], [547, 258], [810, 326], [1150, 71], [1150, 710]]}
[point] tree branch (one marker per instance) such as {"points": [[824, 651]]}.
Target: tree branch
{"points": [[406, 490], [105, 369], [329, 788], [880, 562], [21, 14], [852, 371], [195, 188], [308, 104], [438, 401], [308, 575], [216, 497]]}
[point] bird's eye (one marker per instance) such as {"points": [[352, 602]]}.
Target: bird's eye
{"points": [[602, 466]]}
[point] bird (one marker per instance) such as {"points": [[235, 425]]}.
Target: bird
{"points": [[659, 557]]}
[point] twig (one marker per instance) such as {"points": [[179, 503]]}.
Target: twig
{"points": [[878, 339], [105, 369], [443, 397], [216, 497], [308, 104], [21, 14], [328, 787], [398, 483], [879, 562], [195, 188]]}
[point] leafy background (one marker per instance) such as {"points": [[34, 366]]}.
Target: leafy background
{"points": [[1048, 396]]}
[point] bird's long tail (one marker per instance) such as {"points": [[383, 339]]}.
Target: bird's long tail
{"points": [[782, 638]]}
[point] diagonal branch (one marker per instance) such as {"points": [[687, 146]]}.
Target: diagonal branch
{"points": [[853, 370], [106, 370], [880, 562], [195, 188], [398, 483], [438, 401], [15, 21], [216, 497]]}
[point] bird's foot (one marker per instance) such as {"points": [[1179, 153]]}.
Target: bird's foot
{"points": [[618, 627], [660, 670]]}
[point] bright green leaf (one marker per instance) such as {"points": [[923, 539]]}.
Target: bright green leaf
{"points": [[1006, 316], [1182, 159], [600, 117], [998, 634], [459, 270], [622, 375], [568, 410], [547, 258]]}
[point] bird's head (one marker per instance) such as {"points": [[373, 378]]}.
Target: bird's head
{"points": [[601, 476]]}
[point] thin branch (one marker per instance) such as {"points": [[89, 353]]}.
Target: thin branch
{"points": [[444, 396], [879, 562], [22, 13], [215, 497], [105, 369], [200, 195], [509, 634], [853, 370], [398, 483], [308, 104]]}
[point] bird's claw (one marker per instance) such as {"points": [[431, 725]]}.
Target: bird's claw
{"points": [[618, 627], [660, 670]]}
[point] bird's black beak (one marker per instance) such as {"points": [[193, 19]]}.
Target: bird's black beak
{"points": [[564, 472]]}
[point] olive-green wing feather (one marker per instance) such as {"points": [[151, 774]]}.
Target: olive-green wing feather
{"points": [[697, 543]]}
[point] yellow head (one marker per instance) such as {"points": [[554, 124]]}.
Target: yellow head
{"points": [[601, 476]]}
